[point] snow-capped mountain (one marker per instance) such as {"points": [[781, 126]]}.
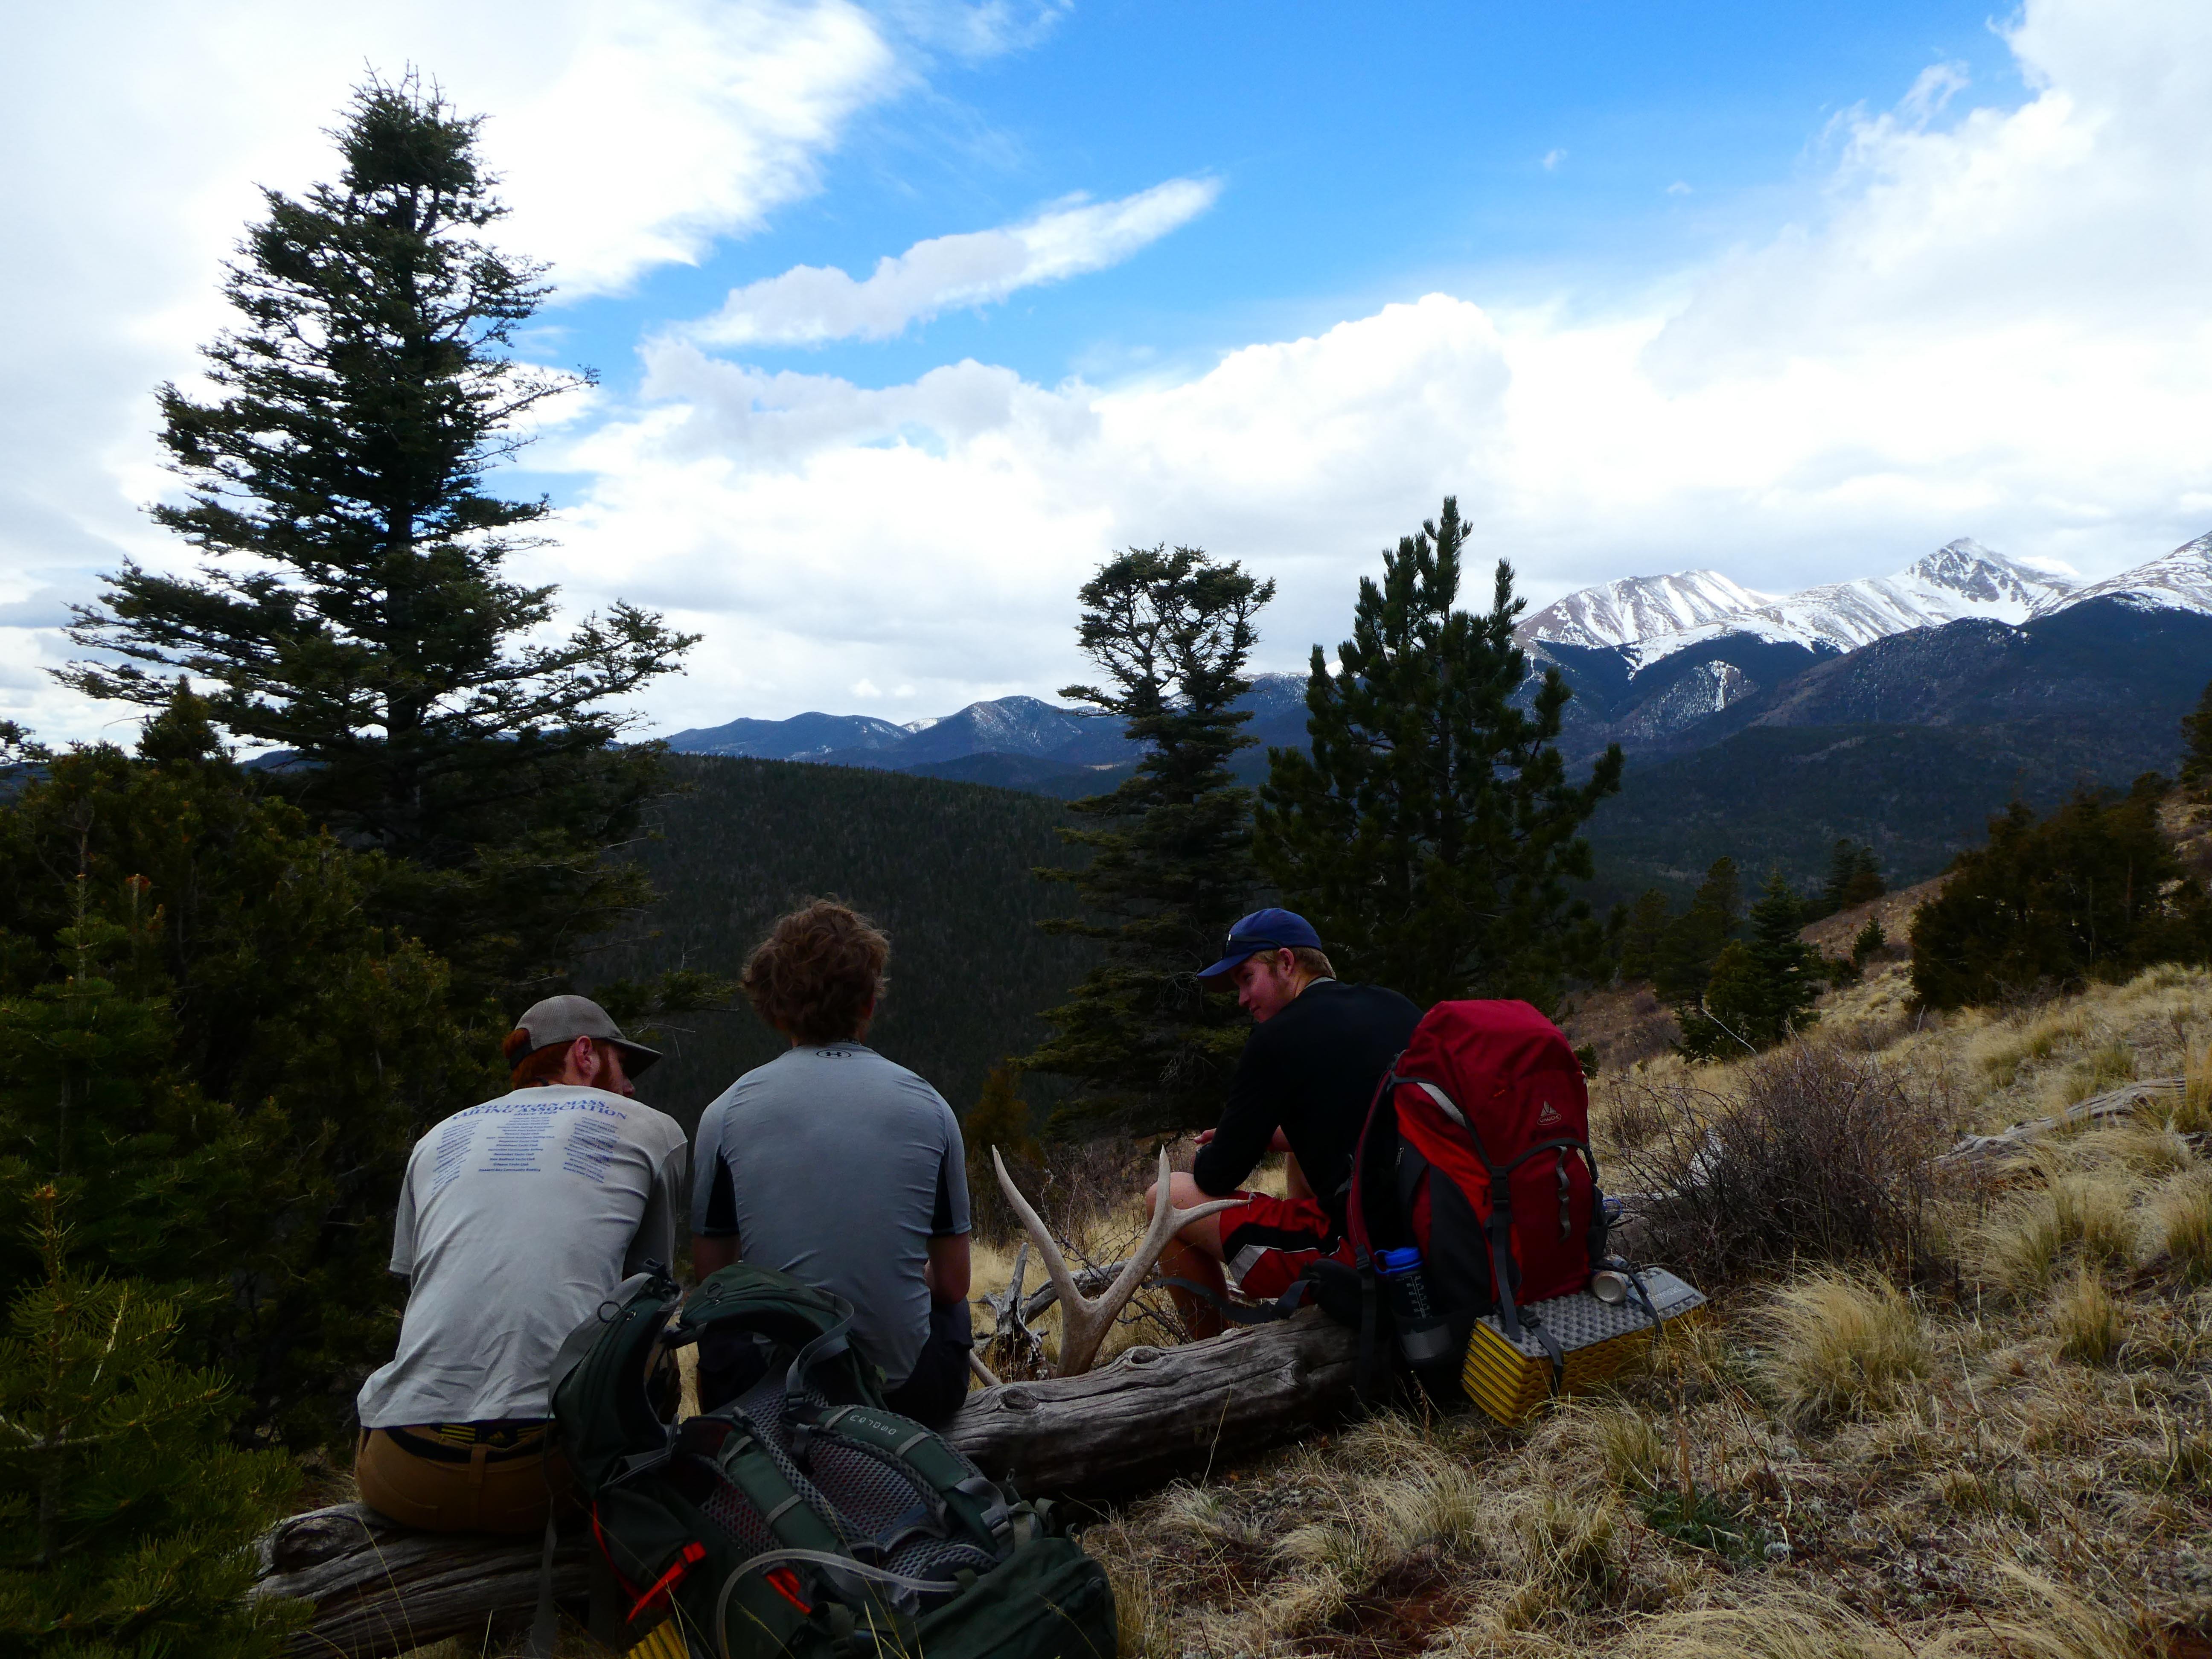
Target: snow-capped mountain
{"points": [[2182, 580], [1640, 608], [1652, 617]]}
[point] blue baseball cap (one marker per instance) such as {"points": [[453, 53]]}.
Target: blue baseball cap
{"points": [[1265, 930]]}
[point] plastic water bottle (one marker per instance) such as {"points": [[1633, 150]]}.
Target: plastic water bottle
{"points": [[1423, 1338]]}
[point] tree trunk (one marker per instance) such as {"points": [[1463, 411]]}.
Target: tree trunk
{"points": [[379, 1589]]}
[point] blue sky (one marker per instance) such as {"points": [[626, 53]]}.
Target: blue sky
{"points": [[1797, 294], [1358, 164]]}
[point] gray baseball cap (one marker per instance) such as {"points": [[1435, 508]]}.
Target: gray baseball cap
{"points": [[565, 1019]]}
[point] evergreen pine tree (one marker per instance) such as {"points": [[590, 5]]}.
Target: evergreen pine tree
{"points": [[127, 1522], [2094, 891], [1762, 988], [357, 614], [206, 1042], [2196, 752], [1432, 835], [1000, 1119], [1854, 877], [1645, 935], [1693, 941], [1171, 851], [1871, 938]]}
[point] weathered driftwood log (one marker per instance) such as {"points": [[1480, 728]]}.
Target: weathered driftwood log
{"points": [[1154, 1413], [378, 1589], [1151, 1415], [2118, 1103]]}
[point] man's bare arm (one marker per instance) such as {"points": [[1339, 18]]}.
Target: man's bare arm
{"points": [[948, 1272]]}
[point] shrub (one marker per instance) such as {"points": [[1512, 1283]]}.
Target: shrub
{"points": [[1844, 1345], [127, 1519], [1825, 1155]]}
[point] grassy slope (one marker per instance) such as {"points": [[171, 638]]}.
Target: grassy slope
{"points": [[944, 868], [1991, 1477]]}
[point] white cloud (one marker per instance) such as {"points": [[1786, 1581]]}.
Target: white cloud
{"points": [[1994, 327], [629, 132], [812, 303], [674, 122], [1553, 158]]}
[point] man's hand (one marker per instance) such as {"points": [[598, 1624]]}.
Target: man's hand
{"points": [[1279, 1144]]}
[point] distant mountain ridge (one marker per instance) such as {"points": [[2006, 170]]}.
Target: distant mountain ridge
{"points": [[1016, 743], [2032, 675]]}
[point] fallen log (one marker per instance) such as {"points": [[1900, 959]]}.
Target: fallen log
{"points": [[1154, 1413], [2117, 1103], [378, 1589]]}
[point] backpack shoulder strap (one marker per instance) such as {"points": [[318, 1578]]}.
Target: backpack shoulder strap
{"points": [[972, 1500]]}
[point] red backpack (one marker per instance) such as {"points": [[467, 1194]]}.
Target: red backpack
{"points": [[1476, 1151]]}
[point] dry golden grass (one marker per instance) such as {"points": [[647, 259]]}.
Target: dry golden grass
{"points": [[2181, 1225], [2029, 1236], [2085, 1319], [1843, 1346], [2014, 1462]]}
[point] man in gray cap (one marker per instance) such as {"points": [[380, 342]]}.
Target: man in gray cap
{"points": [[517, 1218]]}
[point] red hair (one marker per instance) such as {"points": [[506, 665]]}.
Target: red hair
{"points": [[534, 1067]]}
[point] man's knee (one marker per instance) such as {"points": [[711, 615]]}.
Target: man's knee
{"points": [[1182, 1193]]}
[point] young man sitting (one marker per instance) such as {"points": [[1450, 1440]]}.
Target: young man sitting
{"points": [[517, 1218], [841, 1169], [1317, 1050]]}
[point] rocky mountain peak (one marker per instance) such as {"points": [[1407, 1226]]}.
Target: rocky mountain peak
{"points": [[1985, 580]]}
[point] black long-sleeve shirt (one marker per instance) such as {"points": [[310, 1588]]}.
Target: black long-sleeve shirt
{"points": [[1310, 1071]]}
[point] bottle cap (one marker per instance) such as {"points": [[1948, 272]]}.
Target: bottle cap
{"points": [[1398, 1260]]}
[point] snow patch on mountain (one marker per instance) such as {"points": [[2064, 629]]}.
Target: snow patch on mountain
{"points": [[2182, 580], [1636, 608], [1963, 579]]}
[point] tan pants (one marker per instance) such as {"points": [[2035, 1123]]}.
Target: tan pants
{"points": [[484, 1490]]}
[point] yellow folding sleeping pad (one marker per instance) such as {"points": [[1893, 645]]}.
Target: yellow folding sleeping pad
{"points": [[1509, 1379]]}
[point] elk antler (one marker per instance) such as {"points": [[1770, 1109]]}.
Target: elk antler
{"points": [[1084, 1320]]}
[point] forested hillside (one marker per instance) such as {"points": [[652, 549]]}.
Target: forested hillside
{"points": [[1784, 795], [943, 867]]}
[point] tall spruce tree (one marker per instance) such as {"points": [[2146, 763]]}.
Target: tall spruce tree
{"points": [[1433, 834], [1762, 988], [1694, 940], [358, 613], [1645, 935], [1172, 849], [1854, 876]]}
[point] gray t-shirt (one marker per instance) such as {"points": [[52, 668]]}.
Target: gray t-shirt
{"points": [[837, 1167], [517, 1218]]}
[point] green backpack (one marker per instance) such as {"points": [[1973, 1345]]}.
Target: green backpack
{"points": [[798, 1515]]}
